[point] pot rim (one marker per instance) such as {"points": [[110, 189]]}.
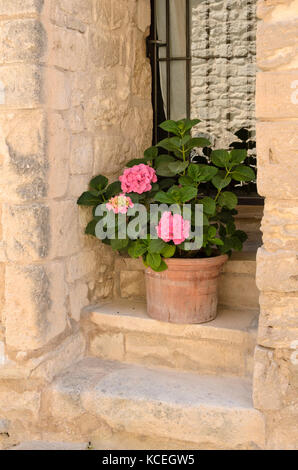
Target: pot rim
{"points": [[191, 264], [187, 261]]}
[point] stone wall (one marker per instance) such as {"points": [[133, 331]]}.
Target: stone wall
{"points": [[276, 358], [223, 66], [75, 100]]}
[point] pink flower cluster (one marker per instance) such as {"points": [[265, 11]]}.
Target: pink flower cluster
{"points": [[173, 227], [119, 204], [138, 179]]}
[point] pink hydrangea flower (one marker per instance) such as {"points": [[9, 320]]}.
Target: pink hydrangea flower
{"points": [[138, 179], [173, 228], [119, 204]]}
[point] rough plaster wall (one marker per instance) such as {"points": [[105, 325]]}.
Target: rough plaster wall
{"points": [[75, 100], [223, 66], [276, 358]]}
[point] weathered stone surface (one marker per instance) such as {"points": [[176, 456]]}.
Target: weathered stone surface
{"points": [[78, 297], [13, 403], [22, 85], [275, 379], [81, 156], [35, 302], [280, 88], [277, 146], [58, 155], [16, 7], [277, 271], [278, 320], [23, 146], [279, 225], [21, 41], [66, 49], [44, 445], [278, 45], [56, 361], [27, 232], [64, 225], [58, 89], [80, 265], [223, 346], [131, 284], [134, 399]]}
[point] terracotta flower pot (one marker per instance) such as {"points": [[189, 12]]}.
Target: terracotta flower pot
{"points": [[186, 292]]}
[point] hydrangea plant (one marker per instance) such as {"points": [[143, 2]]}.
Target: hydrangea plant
{"points": [[168, 174]]}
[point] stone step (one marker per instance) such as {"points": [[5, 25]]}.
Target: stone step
{"points": [[237, 285], [117, 405], [45, 445], [125, 333]]}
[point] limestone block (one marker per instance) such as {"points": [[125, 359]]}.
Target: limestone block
{"points": [[279, 88], [35, 303], [107, 346], [58, 155], [143, 15], [58, 89], [104, 48], [282, 429], [64, 228], [278, 320], [275, 379], [80, 265], [277, 146], [27, 232], [110, 154], [81, 156], [16, 7], [277, 271], [22, 144], [81, 9], [2, 290], [78, 293], [67, 49], [58, 359], [131, 284], [278, 45], [279, 225], [277, 10], [22, 86], [14, 404], [21, 41], [75, 119]]}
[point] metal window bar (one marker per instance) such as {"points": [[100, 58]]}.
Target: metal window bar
{"points": [[154, 44]]}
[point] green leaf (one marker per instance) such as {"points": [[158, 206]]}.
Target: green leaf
{"points": [[151, 153], [211, 232], [136, 161], [162, 267], [90, 229], [209, 205], [168, 251], [137, 249], [164, 198], [166, 183], [198, 142], [156, 246], [87, 199], [241, 235], [162, 165], [188, 124], [238, 156], [113, 189], [216, 241], [170, 126], [228, 199], [243, 173], [220, 182], [187, 193], [172, 144], [177, 167], [186, 181], [220, 158], [99, 182], [153, 260], [117, 244]]}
